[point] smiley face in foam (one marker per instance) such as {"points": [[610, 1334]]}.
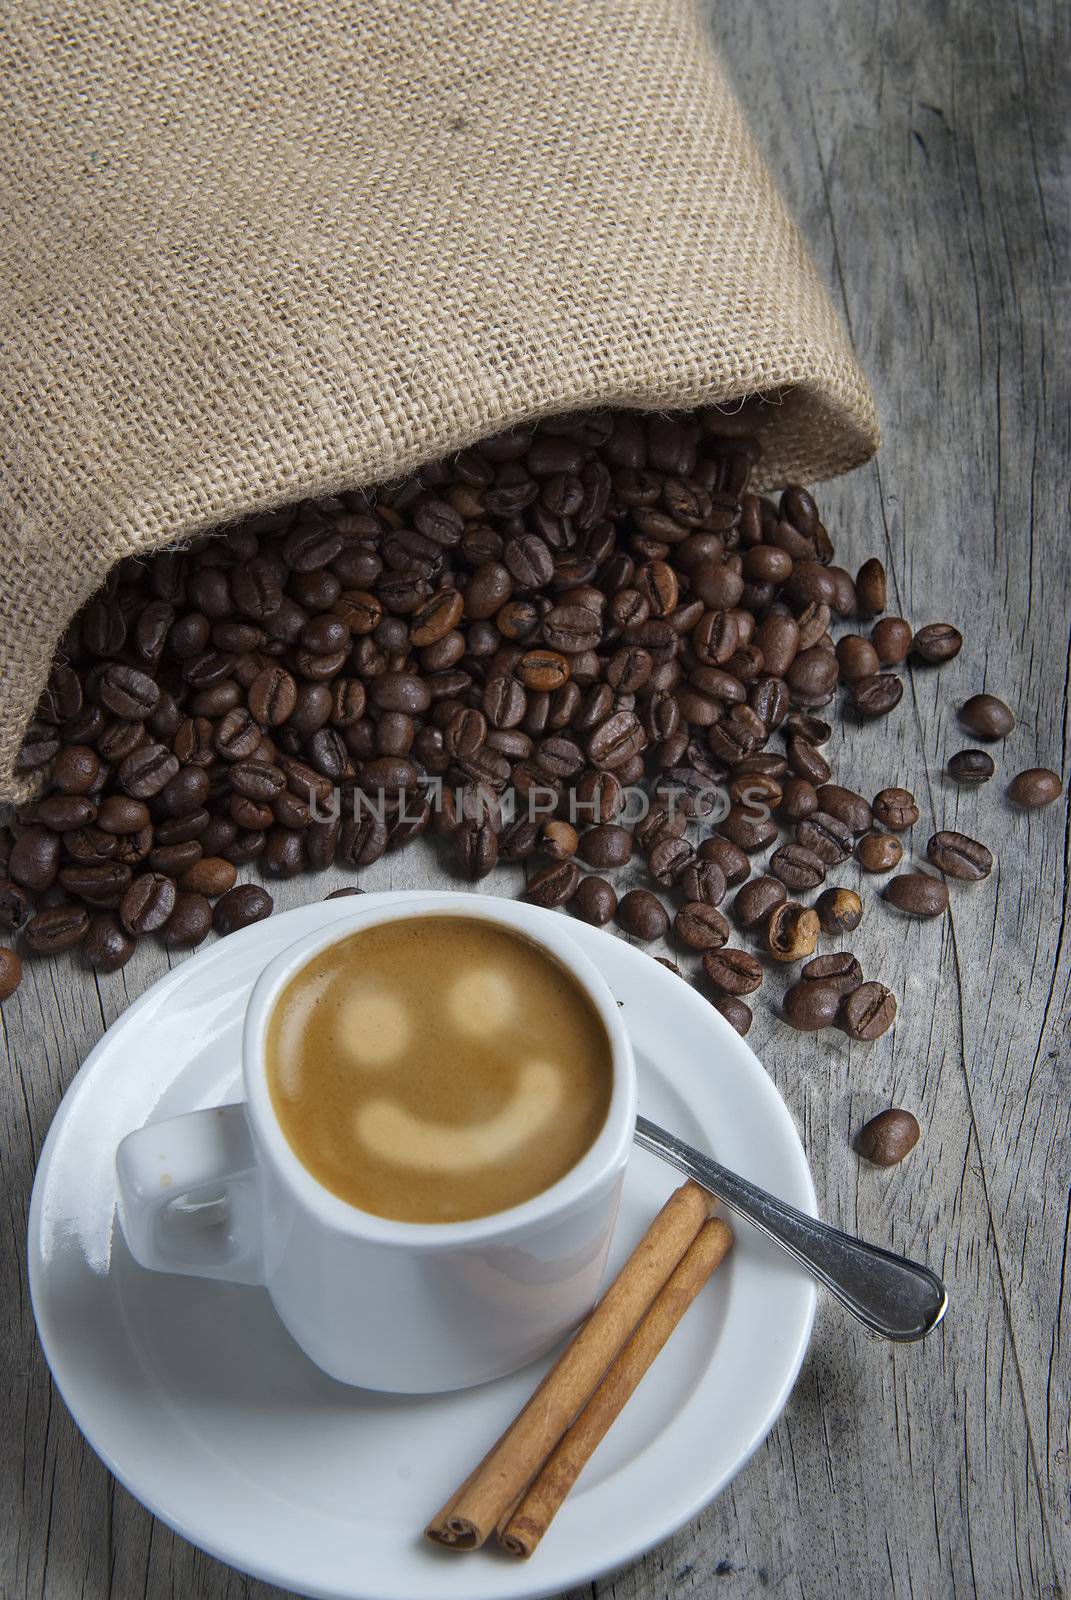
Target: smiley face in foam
{"points": [[393, 1133], [375, 1028], [482, 999]]}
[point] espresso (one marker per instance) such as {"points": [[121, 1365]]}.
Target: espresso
{"points": [[437, 1069]]}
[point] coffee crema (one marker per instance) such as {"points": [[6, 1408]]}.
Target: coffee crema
{"points": [[437, 1069]]}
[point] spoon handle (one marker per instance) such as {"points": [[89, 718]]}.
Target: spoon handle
{"points": [[893, 1297]]}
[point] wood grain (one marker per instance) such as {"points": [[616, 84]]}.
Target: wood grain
{"points": [[920, 147]]}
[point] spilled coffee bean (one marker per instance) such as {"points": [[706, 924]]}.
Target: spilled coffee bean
{"points": [[958, 856], [887, 1138]]}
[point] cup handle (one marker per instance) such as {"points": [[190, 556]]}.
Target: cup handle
{"points": [[189, 1198]]}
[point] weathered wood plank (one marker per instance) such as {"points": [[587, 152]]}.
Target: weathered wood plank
{"points": [[920, 149]]}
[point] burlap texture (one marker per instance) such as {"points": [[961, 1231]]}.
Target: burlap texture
{"points": [[256, 250]]}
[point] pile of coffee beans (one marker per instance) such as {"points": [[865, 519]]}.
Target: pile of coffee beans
{"points": [[503, 649]]}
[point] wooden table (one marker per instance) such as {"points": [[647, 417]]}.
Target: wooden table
{"points": [[919, 149]]}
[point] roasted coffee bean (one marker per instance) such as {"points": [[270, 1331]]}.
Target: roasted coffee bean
{"points": [[246, 903], [641, 914], [736, 1012], [1034, 788], [147, 903], [937, 642], [799, 799], [34, 861], [870, 587], [887, 1138], [847, 806], [63, 812], [896, 809], [606, 846], [595, 901], [879, 852], [959, 856], [190, 922], [272, 696], [700, 927], [146, 770], [867, 1012], [733, 971], [856, 658], [15, 907], [186, 792], [806, 762], [554, 885], [89, 846], [839, 910], [917, 894], [733, 862], [558, 839], [797, 867], [704, 881], [107, 946], [10, 973], [756, 899], [746, 830], [616, 741], [211, 876], [76, 769], [102, 885], [831, 841], [877, 694], [971, 766], [669, 859], [126, 692], [791, 932], [122, 814], [809, 1007], [839, 970], [891, 638], [987, 717], [237, 735], [61, 928]]}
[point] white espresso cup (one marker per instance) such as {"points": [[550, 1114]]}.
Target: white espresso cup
{"points": [[406, 1307]]}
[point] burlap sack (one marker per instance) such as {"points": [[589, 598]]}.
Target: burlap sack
{"points": [[257, 250]]}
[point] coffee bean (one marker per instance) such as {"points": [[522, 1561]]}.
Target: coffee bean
{"points": [[703, 880], [190, 922], [870, 587], [856, 658], [246, 903], [887, 1138], [736, 1012], [971, 766], [896, 809], [879, 852], [10, 972], [272, 696], [748, 831], [146, 770], [126, 692], [34, 860], [867, 1012], [831, 841], [15, 907], [877, 695], [211, 876], [847, 806], [987, 717], [595, 901], [839, 971], [75, 769], [806, 762], [107, 946], [606, 846], [616, 740], [64, 812], [797, 867], [937, 642], [61, 928], [669, 859], [1034, 788], [891, 638], [756, 900], [700, 926], [558, 840], [554, 885], [917, 894], [147, 903], [959, 856], [733, 862], [799, 799], [792, 932], [102, 885], [643, 915], [839, 910], [733, 971], [809, 1007]]}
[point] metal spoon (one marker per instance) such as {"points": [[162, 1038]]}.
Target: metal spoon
{"points": [[893, 1297]]}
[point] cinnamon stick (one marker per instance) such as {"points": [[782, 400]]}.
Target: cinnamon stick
{"points": [[521, 1529], [497, 1483]]}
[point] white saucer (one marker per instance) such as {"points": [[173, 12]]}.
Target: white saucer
{"points": [[196, 1398]]}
